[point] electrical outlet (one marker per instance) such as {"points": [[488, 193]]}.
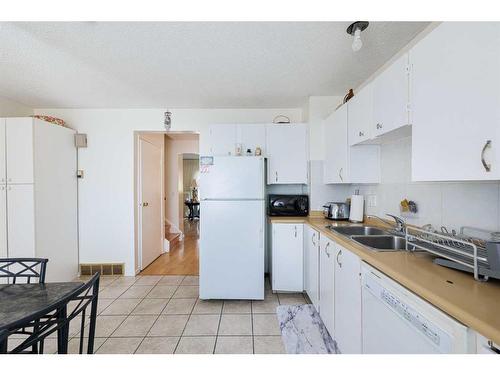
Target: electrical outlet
{"points": [[372, 200]]}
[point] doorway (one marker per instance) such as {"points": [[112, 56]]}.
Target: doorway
{"points": [[179, 194]]}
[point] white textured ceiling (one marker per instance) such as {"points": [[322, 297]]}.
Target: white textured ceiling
{"points": [[198, 64]]}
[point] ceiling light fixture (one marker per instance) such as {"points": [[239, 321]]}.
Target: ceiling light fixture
{"points": [[355, 29]]}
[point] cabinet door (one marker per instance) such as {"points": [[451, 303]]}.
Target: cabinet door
{"points": [[252, 136], [455, 103], [3, 175], [347, 301], [326, 283], [390, 98], [222, 139], [287, 154], [361, 116], [19, 145], [20, 221], [311, 264], [336, 169], [3, 221], [287, 257]]}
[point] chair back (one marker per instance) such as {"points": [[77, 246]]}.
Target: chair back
{"points": [[24, 270]]}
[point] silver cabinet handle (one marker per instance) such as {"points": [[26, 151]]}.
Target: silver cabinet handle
{"points": [[361, 134], [276, 178], [487, 166], [326, 250], [295, 231], [312, 238], [379, 126], [492, 347], [340, 174], [337, 258]]}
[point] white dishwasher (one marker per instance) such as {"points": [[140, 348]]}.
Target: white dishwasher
{"points": [[396, 321]]}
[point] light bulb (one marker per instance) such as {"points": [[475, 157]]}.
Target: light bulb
{"points": [[356, 42]]}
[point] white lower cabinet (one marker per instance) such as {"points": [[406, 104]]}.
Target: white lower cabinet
{"points": [[21, 220], [326, 283], [3, 221], [287, 257], [347, 301], [311, 264]]}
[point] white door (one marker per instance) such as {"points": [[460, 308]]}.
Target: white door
{"points": [[288, 257], [20, 221], [232, 249], [287, 154], [336, 170], [151, 201], [3, 221], [232, 177], [361, 115], [19, 145], [326, 283], [391, 97], [252, 136], [347, 301], [222, 139], [451, 127], [311, 264], [3, 175]]}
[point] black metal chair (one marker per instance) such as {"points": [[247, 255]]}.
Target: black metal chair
{"points": [[23, 268], [59, 320]]}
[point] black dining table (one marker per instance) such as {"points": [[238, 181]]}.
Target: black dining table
{"points": [[21, 304]]}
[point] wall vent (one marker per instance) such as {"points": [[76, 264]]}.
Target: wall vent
{"points": [[106, 269]]}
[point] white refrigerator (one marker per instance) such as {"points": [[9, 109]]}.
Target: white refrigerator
{"points": [[232, 222]]}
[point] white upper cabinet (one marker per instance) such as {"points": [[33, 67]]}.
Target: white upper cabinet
{"points": [[336, 169], [251, 136], [391, 98], [222, 139], [287, 153], [361, 116], [19, 146], [456, 103], [347, 301], [311, 264], [21, 221], [3, 172]]}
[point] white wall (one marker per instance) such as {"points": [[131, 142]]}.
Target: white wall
{"points": [[10, 108], [107, 191], [452, 204]]}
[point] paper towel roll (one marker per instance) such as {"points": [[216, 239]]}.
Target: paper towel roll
{"points": [[357, 208]]}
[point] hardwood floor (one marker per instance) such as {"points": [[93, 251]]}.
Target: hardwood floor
{"points": [[183, 258]]}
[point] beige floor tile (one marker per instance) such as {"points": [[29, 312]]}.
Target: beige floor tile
{"points": [[191, 280], [113, 291], [162, 291], [126, 280], [106, 280], [150, 306], [158, 345], [179, 306], [207, 307], [103, 303], [202, 325], [148, 280], [169, 325], [171, 280], [49, 346], [122, 306], [237, 307], [74, 345], [266, 325], [265, 307], [135, 326], [196, 345], [292, 299], [120, 345], [234, 345], [235, 324], [106, 324], [268, 345], [137, 291], [186, 291]]}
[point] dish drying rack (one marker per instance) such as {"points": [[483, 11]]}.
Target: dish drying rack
{"points": [[458, 250]]}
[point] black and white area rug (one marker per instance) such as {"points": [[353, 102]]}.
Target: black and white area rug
{"points": [[303, 331]]}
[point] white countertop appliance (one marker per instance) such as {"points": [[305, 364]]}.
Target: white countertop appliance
{"points": [[232, 227], [408, 324]]}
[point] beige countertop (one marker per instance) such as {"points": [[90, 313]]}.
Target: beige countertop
{"points": [[475, 304]]}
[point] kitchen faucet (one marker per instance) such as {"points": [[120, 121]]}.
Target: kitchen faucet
{"points": [[400, 223]]}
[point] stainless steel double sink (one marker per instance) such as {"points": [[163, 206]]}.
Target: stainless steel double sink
{"points": [[375, 239]]}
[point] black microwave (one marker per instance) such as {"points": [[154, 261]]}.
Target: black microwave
{"points": [[288, 205]]}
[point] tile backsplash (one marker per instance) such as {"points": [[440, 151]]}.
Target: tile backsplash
{"points": [[453, 204]]}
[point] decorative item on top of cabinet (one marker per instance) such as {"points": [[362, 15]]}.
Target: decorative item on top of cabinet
{"points": [[287, 257], [348, 96], [281, 119]]}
